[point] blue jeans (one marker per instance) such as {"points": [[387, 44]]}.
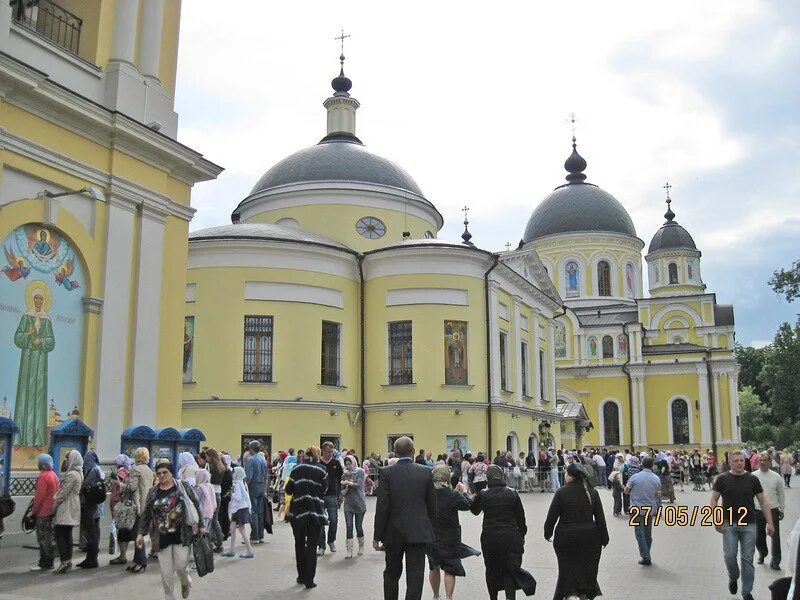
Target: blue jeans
{"points": [[644, 537], [735, 537], [257, 500], [332, 506], [349, 517]]}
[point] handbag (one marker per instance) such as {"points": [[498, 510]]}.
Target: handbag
{"points": [[95, 493], [7, 506], [29, 519], [203, 552], [517, 472], [124, 513], [189, 510]]}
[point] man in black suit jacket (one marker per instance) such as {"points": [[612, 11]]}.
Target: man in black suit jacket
{"points": [[406, 507]]}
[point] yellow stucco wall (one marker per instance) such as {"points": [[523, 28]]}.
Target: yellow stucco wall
{"points": [[659, 390]]}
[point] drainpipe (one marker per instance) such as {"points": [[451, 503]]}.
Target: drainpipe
{"points": [[360, 261], [495, 260], [712, 412]]}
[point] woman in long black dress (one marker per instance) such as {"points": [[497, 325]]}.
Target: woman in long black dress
{"points": [[580, 536], [503, 537], [446, 553]]}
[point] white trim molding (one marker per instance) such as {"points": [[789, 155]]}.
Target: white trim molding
{"points": [[293, 292], [449, 296]]}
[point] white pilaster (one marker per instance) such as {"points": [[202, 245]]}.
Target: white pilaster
{"points": [[150, 39], [639, 382], [637, 437], [148, 303], [550, 361], [705, 416], [537, 372], [111, 388], [494, 342], [717, 407], [124, 43], [733, 402], [517, 341]]}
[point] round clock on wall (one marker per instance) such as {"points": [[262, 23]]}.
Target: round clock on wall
{"points": [[371, 228]]}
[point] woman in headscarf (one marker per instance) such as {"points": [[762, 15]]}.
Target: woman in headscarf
{"points": [[580, 535], [90, 512], [205, 496], [124, 536], [354, 504], [478, 471], [632, 466], [138, 484], [187, 467], [225, 497], [165, 508], [446, 553], [616, 484], [503, 537], [43, 509], [67, 507], [217, 470], [239, 513]]}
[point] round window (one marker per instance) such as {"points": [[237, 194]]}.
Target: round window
{"points": [[371, 228]]}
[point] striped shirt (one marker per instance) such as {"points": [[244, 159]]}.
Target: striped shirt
{"points": [[307, 485]]}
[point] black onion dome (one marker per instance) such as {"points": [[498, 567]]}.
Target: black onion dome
{"points": [[575, 165], [341, 83], [671, 236]]}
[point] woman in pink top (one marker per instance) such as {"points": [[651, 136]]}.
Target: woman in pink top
{"points": [[43, 509]]}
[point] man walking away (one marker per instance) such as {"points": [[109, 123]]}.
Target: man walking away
{"points": [[405, 509], [644, 489], [737, 489], [772, 484], [335, 472], [256, 474]]}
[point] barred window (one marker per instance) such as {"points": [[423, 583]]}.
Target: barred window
{"points": [[503, 361], [611, 424], [680, 422], [331, 355], [608, 346], [524, 356], [257, 349], [542, 376], [672, 270], [400, 353], [603, 278]]}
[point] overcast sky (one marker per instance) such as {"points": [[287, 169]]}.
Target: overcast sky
{"points": [[474, 104]]}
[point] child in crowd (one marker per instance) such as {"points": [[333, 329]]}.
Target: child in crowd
{"points": [[239, 511]]}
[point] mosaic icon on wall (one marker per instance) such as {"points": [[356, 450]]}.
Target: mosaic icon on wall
{"points": [[560, 339], [571, 275], [455, 353], [188, 350], [41, 317]]}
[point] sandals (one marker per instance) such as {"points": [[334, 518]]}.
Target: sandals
{"points": [[138, 569]]}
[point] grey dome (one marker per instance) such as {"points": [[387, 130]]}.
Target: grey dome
{"points": [[671, 236], [263, 231], [338, 157], [578, 207]]}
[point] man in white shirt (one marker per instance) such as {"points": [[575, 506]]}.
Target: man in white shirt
{"points": [[775, 495], [599, 469]]}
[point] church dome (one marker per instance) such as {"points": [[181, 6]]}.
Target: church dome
{"points": [[338, 157], [578, 206], [671, 236]]}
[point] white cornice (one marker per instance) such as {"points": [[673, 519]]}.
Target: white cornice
{"points": [[424, 405], [263, 404], [586, 238], [521, 286]]}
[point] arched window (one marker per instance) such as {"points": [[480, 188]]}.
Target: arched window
{"points": [[603, 278], [611, 424], [608, 346], [672, 268], [680, 422]]}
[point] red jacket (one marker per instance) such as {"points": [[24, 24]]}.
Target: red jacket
{"points": [[46, 487]]}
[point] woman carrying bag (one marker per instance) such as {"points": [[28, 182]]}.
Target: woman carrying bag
{"points": [[136, 486], [174, 509], [67, 509], [93, 494]]}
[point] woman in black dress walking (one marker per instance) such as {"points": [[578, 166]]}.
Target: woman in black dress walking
{"points": [[503, 537], [580, 536]]}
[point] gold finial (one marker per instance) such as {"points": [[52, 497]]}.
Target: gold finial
{"points": [[669, 215]]}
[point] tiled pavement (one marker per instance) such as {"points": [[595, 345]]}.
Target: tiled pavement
{"points": [[687, 565]]}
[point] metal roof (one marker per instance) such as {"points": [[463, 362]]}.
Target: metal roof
{"points": [[673, 349], [262, 231], [570, 410], [671, 236], [617, 318], [723, 314]]}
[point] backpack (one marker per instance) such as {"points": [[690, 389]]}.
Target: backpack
{"points": [[95, 493]]}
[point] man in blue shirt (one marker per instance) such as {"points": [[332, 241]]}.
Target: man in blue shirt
{"points": [[256, 474], [645, 491]]}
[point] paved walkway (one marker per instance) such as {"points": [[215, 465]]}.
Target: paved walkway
{"points": [[687, 565]]}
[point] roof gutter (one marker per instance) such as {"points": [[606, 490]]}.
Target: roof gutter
{"points": [[495, 261], [362, 357]]}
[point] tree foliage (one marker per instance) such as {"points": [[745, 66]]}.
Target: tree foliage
{"points": [[781, 374], [751, 361], [787, 282]]}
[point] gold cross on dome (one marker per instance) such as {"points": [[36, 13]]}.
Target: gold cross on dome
{"points": [[465, 210], [667, 187], [342, 38], [572, 123], [508, 246]]}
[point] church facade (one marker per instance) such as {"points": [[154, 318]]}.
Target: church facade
{"points": [[329, 309]]}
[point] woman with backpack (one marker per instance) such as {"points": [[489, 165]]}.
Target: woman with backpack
{"points": [[93, 497]]}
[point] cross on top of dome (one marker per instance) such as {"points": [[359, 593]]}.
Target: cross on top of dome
{"points": [[341, 84]]}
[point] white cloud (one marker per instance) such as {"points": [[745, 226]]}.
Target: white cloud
{"points": [[760, 343]]}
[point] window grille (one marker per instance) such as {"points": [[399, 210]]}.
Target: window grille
{"points": [[330, 353], [400, 353], [257, 349]]}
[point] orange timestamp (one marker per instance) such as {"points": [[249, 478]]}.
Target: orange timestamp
{"points": [[673, 515]]}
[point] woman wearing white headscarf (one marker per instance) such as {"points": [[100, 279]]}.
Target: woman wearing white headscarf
{"points": [[239, 512], [187, 467], [124, 536], [138, 484], [68, 509]]}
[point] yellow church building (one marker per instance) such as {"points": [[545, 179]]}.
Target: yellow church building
{"points": [[94, 217], [330, 310]]}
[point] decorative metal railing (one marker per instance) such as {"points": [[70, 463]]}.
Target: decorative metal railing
{"points": [[50, 21]]}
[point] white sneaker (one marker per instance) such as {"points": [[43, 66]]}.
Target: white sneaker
{"points": [[37, 569]]}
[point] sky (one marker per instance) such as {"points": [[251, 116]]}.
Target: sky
{"points": [[474, 103]]}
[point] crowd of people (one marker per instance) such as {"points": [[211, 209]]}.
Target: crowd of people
{"points": [[419, 498]]}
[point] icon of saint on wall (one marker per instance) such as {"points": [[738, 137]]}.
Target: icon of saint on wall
{"points": [[17, 267], [64, 273], [629, 279], [455, 346], [571, 273], [593, 347]]}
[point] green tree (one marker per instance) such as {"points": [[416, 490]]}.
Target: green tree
{"points": [[756, 420], [780, 374], [787, 282], [751, 361]]}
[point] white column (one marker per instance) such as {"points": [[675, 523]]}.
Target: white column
{"points": [[148, 305], [550, 361], [636, 434], [125, 20], [112, 373], [537, 372], [150, 39], [494, 342], [578, 350], [642, 411], [705, 413], [733, 400], [517, 341], [717, 407]]}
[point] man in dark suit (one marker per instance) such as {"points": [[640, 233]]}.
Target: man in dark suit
{"points": [[406, 507]]}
